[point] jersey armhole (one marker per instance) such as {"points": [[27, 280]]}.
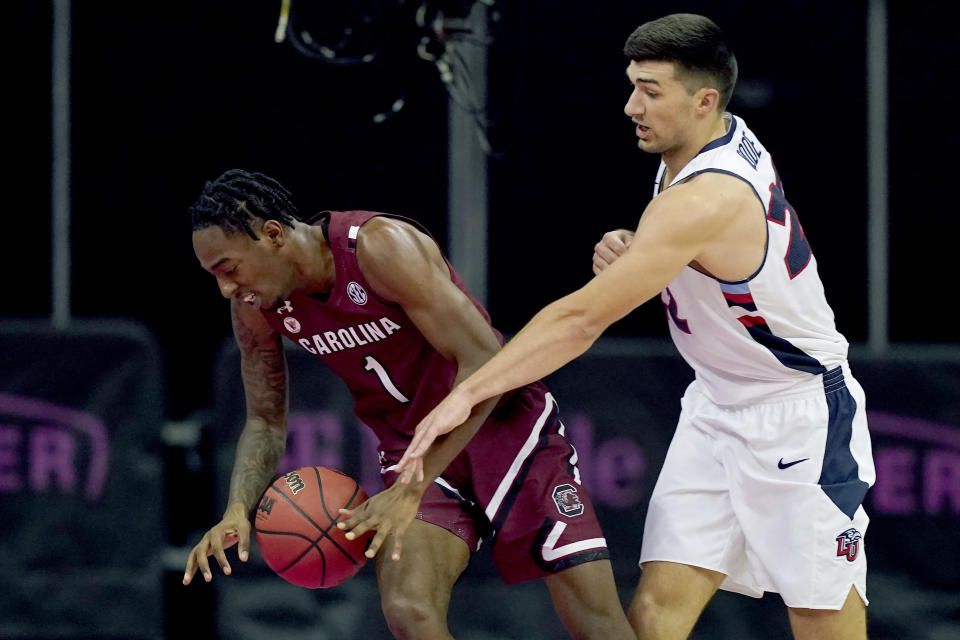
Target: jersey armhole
{"points": [[766, 230]]}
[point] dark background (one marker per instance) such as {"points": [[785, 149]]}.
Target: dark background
{"points": [[172, 94], [168, 95]]}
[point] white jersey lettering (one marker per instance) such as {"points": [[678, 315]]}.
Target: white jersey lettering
{"points": [[389, 325], [332, 340], [346, 338], [349, 337]]}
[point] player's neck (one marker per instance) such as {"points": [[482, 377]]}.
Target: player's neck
{"points": [[676, 159], [314, 260]]}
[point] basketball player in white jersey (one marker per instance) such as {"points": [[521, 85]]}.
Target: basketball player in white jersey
{"points": [[762, 486]]}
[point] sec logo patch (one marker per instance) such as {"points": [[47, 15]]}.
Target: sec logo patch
{"points": [[357, 293]]}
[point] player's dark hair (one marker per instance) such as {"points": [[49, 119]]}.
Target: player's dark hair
{"points": [[234, 199], [692, 42]]}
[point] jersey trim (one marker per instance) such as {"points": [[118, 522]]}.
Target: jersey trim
{"points": [[521, 460], [719, 142], [766, 244], [783, 350], [553, 559], [739, 296], [839, 477], [551, 552], [729, 173]]}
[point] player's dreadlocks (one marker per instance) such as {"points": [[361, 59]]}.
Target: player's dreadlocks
{"points": [[237, 197]]}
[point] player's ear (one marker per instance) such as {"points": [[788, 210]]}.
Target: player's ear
{"points": [[707, 100], [274, 232]]}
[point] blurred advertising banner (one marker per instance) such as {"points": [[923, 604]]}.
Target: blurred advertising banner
{"points": [[913, 400], [81, 491]]}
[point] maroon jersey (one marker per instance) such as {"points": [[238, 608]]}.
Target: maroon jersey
{"points": [[516, 479], [394, 374]]}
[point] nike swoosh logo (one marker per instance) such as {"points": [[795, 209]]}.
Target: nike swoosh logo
{"points": [[787, 465]]}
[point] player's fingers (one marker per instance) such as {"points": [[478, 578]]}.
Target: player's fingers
{"points": [[418, 463], [375, 544], [599, 265], [407, 475], [617, 240], [202, 563], [243, 543], [358, 530], [352, 518], [409, 470], [191, 567], [418, 437], [221, 555], [608, 252], [404, 462], [360, 521], [406, 466], [420, 443], [229, 539], [397, 547]]}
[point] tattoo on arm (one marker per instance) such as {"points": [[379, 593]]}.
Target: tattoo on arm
{"points": [[258, 452], [263, 440]]}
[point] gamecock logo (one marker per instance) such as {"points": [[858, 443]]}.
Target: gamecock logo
{"points": [[568, 502]]}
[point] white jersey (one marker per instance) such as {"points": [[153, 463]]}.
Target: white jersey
{"points": [[773, 333]]}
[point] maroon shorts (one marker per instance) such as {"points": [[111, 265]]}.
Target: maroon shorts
{"points": [[517, 481]]}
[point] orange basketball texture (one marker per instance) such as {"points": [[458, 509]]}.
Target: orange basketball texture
{"points": [[295, 527]]}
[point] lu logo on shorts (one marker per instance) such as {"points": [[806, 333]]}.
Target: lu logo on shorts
{"points": [[848, 544]]}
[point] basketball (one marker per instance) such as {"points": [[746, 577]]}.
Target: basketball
{"points": [[296, 527]]}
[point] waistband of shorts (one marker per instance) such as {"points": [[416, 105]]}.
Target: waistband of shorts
{"points": [[831, 381], [834, 380]]}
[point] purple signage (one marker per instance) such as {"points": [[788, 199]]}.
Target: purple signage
{"points": [[49, 448], [918, 466]]}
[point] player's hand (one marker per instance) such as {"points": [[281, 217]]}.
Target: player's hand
{"points": [[445, 417], [611, 246], [233, 529], [390, 512]]}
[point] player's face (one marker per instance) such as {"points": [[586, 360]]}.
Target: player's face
{"points": [[247, 269], [659, 105]]}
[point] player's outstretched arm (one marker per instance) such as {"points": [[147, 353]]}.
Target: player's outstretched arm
{"points": [[405, 266], [674, 229], [261, 444]]}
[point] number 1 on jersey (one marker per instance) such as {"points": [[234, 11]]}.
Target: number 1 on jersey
{"points": [[372, 364]]}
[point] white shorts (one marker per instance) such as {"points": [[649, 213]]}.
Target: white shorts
{"points": [[769, 494]]}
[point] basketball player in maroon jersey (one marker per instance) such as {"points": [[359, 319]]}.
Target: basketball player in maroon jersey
{"points": [[373, 297]]}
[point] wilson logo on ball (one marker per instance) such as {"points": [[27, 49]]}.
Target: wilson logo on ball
{"points": [[266, 504], [294, 481]]}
